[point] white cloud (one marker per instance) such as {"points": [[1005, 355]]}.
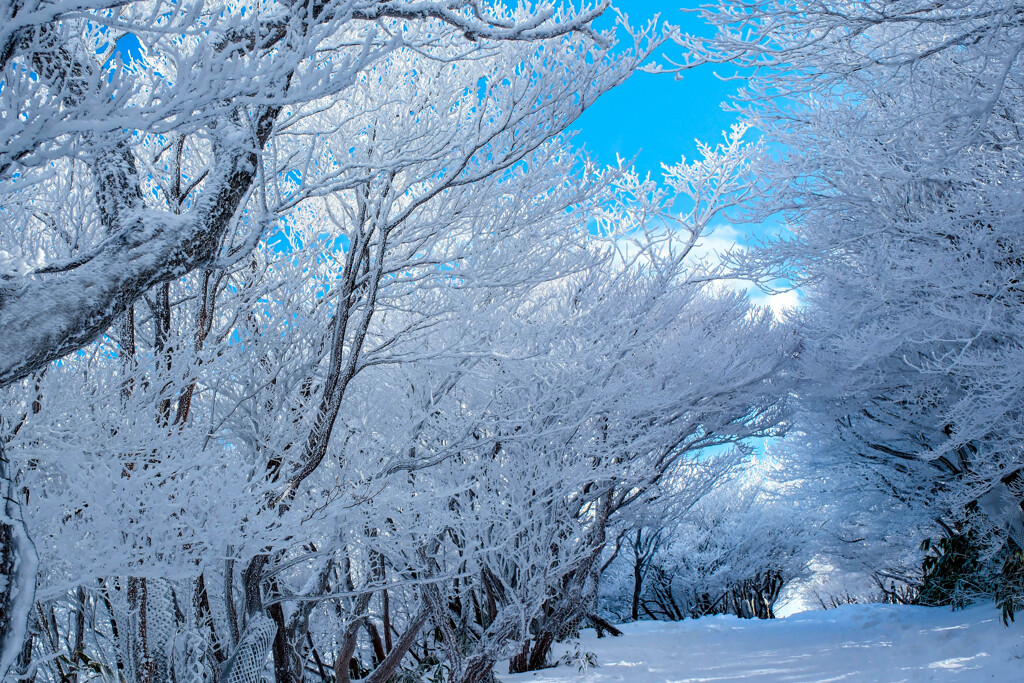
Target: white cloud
{"points": [[727, 237], [779, 303], [709, 250]]}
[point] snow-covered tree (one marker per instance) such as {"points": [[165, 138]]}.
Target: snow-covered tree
{"points": [[700, 368], [320, 344], [897, 150], [153, 140]]}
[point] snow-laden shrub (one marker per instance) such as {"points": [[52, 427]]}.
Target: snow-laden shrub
{"points": [[972, 564]]}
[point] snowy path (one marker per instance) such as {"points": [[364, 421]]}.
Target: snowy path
{"points": [[876, 643]]}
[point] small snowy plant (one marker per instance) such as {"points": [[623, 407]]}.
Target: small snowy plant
{"points": [[580, 658]]}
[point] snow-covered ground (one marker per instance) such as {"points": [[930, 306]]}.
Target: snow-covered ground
{"points": [[877, 643]]}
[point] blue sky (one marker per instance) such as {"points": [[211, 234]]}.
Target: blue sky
{"points": [[659, 118], [655, 115]]}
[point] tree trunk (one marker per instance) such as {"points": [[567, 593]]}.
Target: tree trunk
{"points": [[204, 619], [19, 565], [138, 603], [521, 660], [577, 599], [476, 670], [638, 585], [343, 658], [281, 649], [541, 649], [256, 639], [602, 625], [391, 662]]}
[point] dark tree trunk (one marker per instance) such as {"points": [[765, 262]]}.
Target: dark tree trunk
{"points": [[541, 649], [138, 602], [393, 660], [18, 567], [638, 586], [281, 650], [601, 625]]}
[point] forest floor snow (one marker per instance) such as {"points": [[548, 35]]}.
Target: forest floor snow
{"points": [[876, 643]]}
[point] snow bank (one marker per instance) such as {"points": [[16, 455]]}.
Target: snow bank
{"points": [[883, 643]]}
